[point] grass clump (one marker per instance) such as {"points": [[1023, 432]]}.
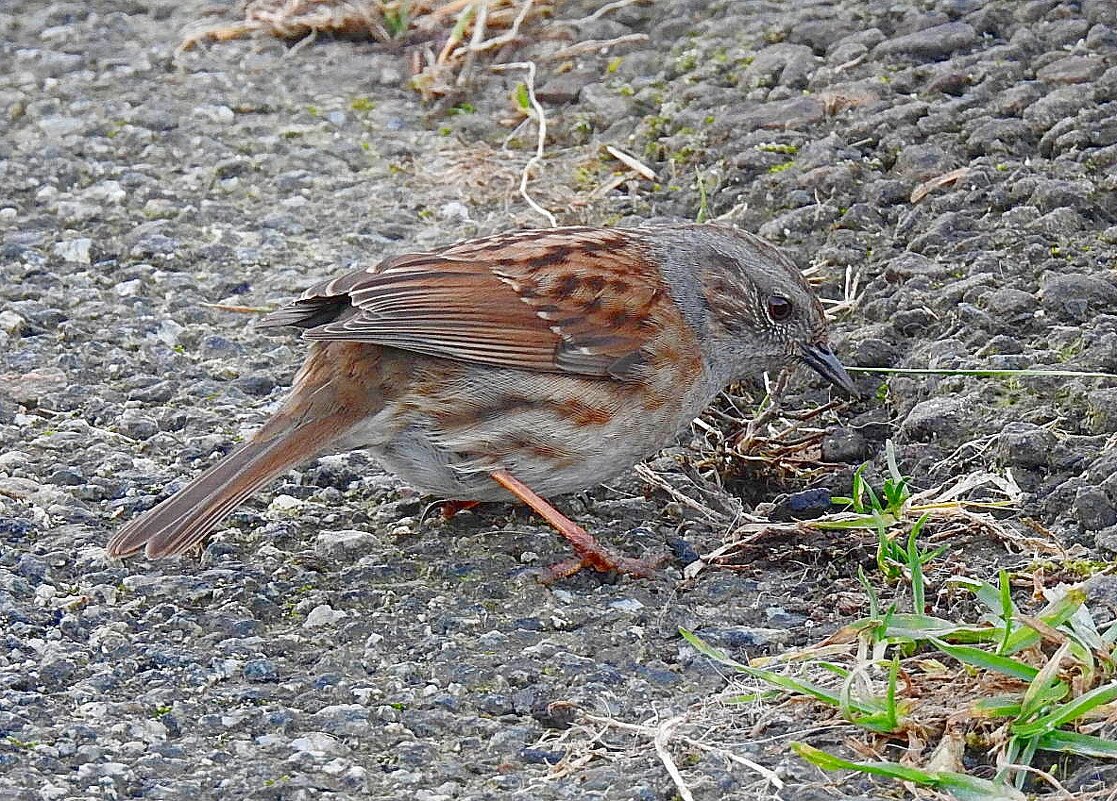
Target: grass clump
{"points": [[986, 704], [464, 29]]}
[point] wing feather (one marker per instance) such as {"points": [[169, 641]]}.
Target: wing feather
{"points": [[576, 300]]}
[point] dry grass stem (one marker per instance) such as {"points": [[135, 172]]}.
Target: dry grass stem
{"points": [[631, 162], [541, 140], [596, 46], [601, 12], [458, 29], [664, 732]]}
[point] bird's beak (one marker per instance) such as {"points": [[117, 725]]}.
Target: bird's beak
{"points": [[822, 360]]}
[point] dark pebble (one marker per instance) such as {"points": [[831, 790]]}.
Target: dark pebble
{"points": [[255, 384], [683, 550], [1094, 509], [541, 756], [803, 505], [261, 670], [843, 445]]}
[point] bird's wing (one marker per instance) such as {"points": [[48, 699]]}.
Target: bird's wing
{"points": [[577, 300]]}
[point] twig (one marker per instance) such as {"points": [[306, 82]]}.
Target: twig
{"points": [[541, 124], [601, 12], [596, 45], [508, 36], [649, 731], [631, 162], [662, 737], [1047, 777], [475, 41], [656, 480]]}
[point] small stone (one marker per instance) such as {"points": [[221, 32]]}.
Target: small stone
{"points": [[1025, 444], [29, 388], [1106, 539], [843, 444], [347, 719], [323, 615], [31, 567], [564, 88], [454, 211], [129, 289], [346, 544], [936, 418], [284, 503], [683, 550], [58, 127], [260, 670], [1093, 509], [66, 477], [541, 756], [77, 251], [169, 332], [106, 192], [1075, 296], [1101, 408], [802, 505], [1072, 69], [11, 323], [626, 605], [932, 44], [222, 115], [256, 384], [319, 743], [137, 426]]}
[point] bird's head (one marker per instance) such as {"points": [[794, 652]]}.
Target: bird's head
{"points": [[751, 305]]}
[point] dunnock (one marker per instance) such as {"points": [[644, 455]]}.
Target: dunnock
{"points": [[533, 361]]}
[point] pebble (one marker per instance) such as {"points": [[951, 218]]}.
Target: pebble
{"points": [[11, 323], [345, 544], [319, 743], [323, 615], [261, 670], [77, 251]]}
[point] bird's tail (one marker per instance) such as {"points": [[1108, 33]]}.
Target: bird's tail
{"points": [[183, 520]]}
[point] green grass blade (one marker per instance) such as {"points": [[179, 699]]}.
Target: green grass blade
{"points": [[890, 458], [985, 592], [869, 520], [915, 565], [986, 660], [707, 650], [786, 683], [1039, 691], [1071, 742], [1008, 609], [1065, 713], [749, 698], [998, 706], [1054, 615], [961, 786], [903, 625]]}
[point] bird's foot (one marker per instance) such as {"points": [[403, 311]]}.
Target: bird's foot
{"points": [[603, 561], [451, 508]]}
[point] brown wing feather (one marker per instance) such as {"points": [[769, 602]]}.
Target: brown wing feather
{"points": [[574, 300]]}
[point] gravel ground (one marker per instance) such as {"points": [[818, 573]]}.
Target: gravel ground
{"points": [[331, 643]]}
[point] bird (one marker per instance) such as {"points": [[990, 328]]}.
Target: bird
{"points": [[527, 364]]}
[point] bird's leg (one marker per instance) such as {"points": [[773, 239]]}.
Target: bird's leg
{"points": [[451, 508], [591, 553]]}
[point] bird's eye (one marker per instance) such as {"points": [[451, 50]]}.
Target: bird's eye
{"points": [[779, 308]]}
